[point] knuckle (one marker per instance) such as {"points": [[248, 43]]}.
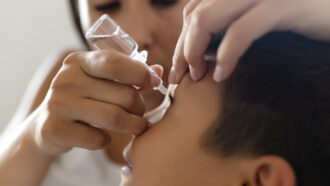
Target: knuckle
{"points": [[198, 18], [54, 105], [98, 141], [112, 117], [236, 31], [64, 80], [72, 58], [131, 98], [195, 20], [59, 79], [186, 10], [60, 83], [115, 119]]}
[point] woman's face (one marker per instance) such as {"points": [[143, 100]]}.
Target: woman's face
{"points": [[154, 24], [170, 152]]}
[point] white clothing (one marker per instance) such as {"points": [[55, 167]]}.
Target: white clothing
{"points": [[81, 167]]}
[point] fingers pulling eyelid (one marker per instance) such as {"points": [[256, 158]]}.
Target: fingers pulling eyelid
{"points": [[172, 88]]}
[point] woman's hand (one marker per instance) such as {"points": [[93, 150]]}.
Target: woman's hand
{"points": [[244, 22], [91, 93]]}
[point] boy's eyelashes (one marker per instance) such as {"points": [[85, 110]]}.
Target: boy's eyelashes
{"points": [[171, 98]]}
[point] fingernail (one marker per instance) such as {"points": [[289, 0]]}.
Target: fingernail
{"points": [[155, 80], [171, 76], [217, 76], [193, 73], [161, 67]]}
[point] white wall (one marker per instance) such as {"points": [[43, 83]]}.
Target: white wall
{"points": [[29, 31]]}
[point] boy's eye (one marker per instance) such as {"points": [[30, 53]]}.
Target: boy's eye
{"points": [[171, 98], [111, 6], [163, 2]]}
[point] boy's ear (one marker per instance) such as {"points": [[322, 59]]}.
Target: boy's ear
{"points": [[271, 171]]}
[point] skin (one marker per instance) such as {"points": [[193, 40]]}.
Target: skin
{"points": [[238, 18], [46, 130], [175, 139], [171, 152], [155, 29], [80, 105]]}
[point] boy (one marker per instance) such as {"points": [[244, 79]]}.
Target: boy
{"points": [[267, 125]]}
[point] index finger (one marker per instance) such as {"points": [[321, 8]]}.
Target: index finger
{"points": [[115, 66], [230, 50], [209, 18], [180, 65]]}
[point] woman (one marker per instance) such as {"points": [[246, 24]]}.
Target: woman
{"points": [[84, 107]]}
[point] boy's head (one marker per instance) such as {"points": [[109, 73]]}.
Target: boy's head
{"points": [[268, 124]]}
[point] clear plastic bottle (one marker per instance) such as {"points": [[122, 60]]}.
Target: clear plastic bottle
{"points": [[107, 34]]}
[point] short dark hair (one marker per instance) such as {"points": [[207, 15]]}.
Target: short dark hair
{"points": [[277, 102]]}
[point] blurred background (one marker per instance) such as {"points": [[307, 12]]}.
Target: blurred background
{"points": [[29, 32]]}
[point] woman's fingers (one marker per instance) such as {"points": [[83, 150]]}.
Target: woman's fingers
{"points": [[246, 20], [124, 96], [180, 65], [106, 116], [66, 135], [112, 65], [208, 18], [190, 7], [92, 93], [96, 88], [243, 32], [95, 113]]}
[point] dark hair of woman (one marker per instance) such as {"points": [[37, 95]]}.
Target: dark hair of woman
{"points": [[76, 19]]}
